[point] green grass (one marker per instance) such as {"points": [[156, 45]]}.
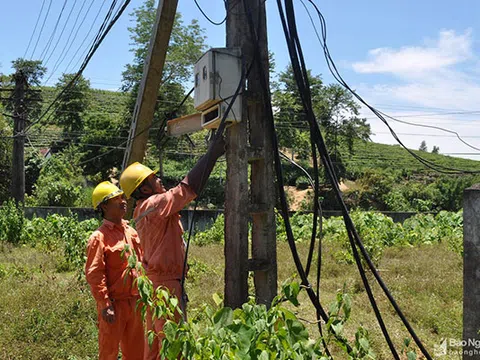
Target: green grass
{"points": [[51, 315]]}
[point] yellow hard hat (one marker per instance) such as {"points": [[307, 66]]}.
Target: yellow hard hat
{"points": [[104, 191], [133, 176]]}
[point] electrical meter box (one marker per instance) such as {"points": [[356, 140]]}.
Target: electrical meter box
{"points": [[212, 116], [217, 75]]}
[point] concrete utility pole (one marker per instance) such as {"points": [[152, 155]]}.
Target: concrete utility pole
{"points": [[19, 118], [471, 272], [152, 76], [257, 151]]}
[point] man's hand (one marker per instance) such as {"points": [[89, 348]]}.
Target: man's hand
{"points": [[108, 314]]}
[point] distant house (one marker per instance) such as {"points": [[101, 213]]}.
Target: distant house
{"points": [[46, 152]]}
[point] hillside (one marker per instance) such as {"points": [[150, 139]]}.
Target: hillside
{"points": [[381, 156], [375, 176]]}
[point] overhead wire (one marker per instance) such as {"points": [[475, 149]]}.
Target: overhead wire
{"points": [[49, 42], [353, 235], [68, 43], [34, 29], [109, 14], [99, 39], [336, 74], [342, 82], [47, 59], [217, 23], [41, 29]]}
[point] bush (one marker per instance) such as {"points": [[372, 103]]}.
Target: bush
{"points": [[11, 222], [59, 183], [214, 235], [250, 332], [302, 183]]}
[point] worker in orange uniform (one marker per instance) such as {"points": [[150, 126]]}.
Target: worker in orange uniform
{"points": [[111, 281], [158, 223]]}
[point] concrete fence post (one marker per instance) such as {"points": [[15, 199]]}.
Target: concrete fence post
{"points": [[471, 273]]}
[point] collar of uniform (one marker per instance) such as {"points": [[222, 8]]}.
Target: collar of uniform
{"points": [[112, 225]]}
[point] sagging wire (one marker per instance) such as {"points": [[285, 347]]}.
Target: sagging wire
{"points": [[208, 18], [353, 235], [301, 77], [336, 74], [314, 298], [315, 185]]}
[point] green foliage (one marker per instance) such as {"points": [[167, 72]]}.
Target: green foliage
{"points": [[301, 227], [250, 332], [339, 313], [59, 183], [33, 164], [5, 158], [73, 103], [378, 231], [64, 233], [11, 222], [33, 72], [214, 235]]}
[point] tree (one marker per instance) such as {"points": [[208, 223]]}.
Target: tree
{"points": [[187, 42], [33, 72], [335, 110], [290, 119], [72, 104], [338, 114], [60, 182], [423, 146], [435, 149], [102, 134]]}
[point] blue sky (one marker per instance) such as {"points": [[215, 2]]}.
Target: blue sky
{"points": [[416, 60]]}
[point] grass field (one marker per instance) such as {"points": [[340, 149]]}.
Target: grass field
{"points": [[47, 314]]}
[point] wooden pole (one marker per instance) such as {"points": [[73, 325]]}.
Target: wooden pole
{"points": [[152, 76], [236, 188], [238, 206], [19, 118], [471, 273], [262, 186]]}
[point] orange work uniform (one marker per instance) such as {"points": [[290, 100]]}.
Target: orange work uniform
{"points": [[111, 283], [158, 223]]}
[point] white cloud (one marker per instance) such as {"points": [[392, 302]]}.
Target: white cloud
{"points": [[449, 49], [437, 77]]}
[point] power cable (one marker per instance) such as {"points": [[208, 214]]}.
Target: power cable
{"points": [[109, 14], [314, 297], [61, 34], [336, 74], [353, 235], [301, 77], [208, 18], [92, 51], [68, 43], [34, 29], [49, 42], [41, 29], [340, 80]]}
